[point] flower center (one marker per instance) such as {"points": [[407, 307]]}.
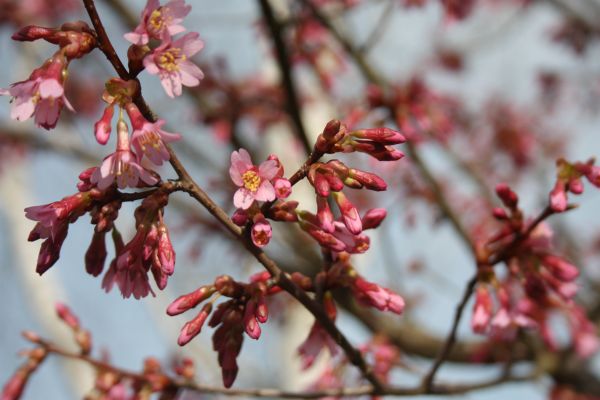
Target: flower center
{"points": [[251, 180], [170, 59], [150, 140], [156, 20]]}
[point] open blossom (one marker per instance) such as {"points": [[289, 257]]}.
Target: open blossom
{"points": [[254, 182], [148, 138], [157, 19], [171, 62], [122, 165], [42, 95]]}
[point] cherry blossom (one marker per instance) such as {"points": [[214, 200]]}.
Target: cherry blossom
{"points": [[122, 166], [42, 96], [157, 19], [254, 182], [171, 62]]}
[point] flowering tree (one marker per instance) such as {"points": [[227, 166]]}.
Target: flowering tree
{"points": [[531, 294]]}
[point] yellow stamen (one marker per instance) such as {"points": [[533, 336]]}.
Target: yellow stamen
{"points": [[251, 180]]}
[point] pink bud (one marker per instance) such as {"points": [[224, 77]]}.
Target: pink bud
{"points": [[279, 165], [349, 213], [283, 211], [102, 127], [324, 215], [262, 312], [190, 300], [560, 268], [370, 181], [558, 198], [67, 316], [283, 188], [95, 256], [576, 186], [32, 32], [321, 185], [261, 231], [240, 217], [508, 197], [373, 218], [499, 213], [380, 135], [192, 328], [13, 389], [332, 128], [250, 323]]}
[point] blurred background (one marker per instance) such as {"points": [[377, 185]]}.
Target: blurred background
{"points": [[501, 93]]}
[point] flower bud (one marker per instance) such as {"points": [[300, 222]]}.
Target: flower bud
{"points": [[190, 300], [508, 197], [373, 218], [192, 328]]}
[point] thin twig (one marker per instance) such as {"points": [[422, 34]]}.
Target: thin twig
{"points": [[179, 384], [428, 379]]}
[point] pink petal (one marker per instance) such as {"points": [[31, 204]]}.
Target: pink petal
{"points": [[243, 198], [265, 192], [268, 169], [51, 88]]}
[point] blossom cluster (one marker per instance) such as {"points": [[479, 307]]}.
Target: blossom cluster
{"points": [[169, 60], [539, 281], [42, 95]]}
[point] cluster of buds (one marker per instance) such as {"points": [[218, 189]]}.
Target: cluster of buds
{"points": [[242, 313], [262, 183], [170, 60], [42, 95], [53, 225], [568, 179], [148, 140], [342, 274], [376, 142], [539, 281], [340, 239], [149, 251], [15, 386]]}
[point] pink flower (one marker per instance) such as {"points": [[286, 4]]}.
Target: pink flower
{"points": [[171, 62], [42, 95], [482, 310], [122, 165], [261, 231], [148, 139], [157, 19], [254, 182]]}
